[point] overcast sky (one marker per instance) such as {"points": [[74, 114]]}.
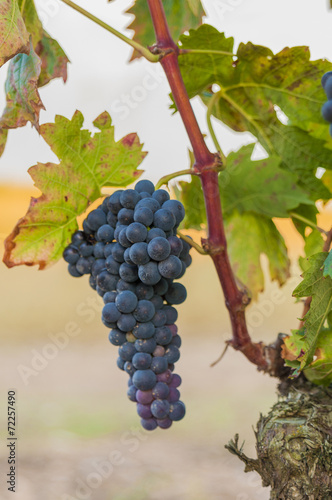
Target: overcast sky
{"points": [[99, 77]]}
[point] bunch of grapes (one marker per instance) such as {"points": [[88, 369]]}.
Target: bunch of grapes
{"points": [[131, 251], [327, 107]]}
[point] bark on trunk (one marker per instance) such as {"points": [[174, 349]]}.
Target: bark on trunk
{"points": [[294, 444]]}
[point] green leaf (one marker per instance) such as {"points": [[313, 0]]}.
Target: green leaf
{"points": [[87, 163], [14, 37], [320, 369], [328, 265], [309, 212], [181, 15], [53, 60], [261, 237], [314, 243], [254, 89], [23, 100], [258, 186], [31, 19], [318, 287], [191, 195]]}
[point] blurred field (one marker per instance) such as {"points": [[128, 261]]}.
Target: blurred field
{"points": [[73, 411]]}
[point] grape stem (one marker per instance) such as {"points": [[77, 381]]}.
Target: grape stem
{"points": [[192, 243], [308, 222], [165, 180], [137, 46], [206, 167]]}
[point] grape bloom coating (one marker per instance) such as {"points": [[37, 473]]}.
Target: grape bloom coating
{"points": [[132, 254]]}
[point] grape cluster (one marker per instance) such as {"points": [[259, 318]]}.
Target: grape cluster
{"points": [[327, 107], [130, 249]]}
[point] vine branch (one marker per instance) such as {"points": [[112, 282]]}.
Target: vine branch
{"points": [[140, 48], [206, 166]]}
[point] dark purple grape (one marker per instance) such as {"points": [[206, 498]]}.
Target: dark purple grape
{"points": [[176, 208], [163, 335], [126, 322], [126, 301], [73, 271], [176, 245], [144, 215], [144, 185], [96, 218], [127, 351], [155, 232], [144, 397], [129, 198], [144, 411], [164, 219], [161, 196], [174, 395], [149, 274], [160, 408], [164, 423], [111, 313], [145, 345], [149, 424], [142, 360], [160, 390], [105, 233], [176, 294], [159, 249], [131, 393], [136, 232], [144, 330], [138, 253], [144, 379], [172, 354], [170, 268], [144, 291], [125, 216], [128, 272], [71, 254], [159, 364], [116, 337], [113, 203], [177, 411]]}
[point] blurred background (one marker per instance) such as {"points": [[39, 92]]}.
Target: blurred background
{"points": [[79, 436]]}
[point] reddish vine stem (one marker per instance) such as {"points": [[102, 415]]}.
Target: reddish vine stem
{"points": [[206, 166]]}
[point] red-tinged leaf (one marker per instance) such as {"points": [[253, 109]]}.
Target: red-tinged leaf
{"points": [[14, 37], [3, 139], [23, 100], [53, 60], [87, 163], [31, 20]]}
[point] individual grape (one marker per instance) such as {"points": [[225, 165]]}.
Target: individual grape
{"points": [[159, 249], [149, 424], [144, 194], [146, 345], [126, 322], [174, 395], [155, 232], [138, 253], [164, 219], [118, 252], [188, 260], [125, 285], [163, 335], [327, 111], [111, 313], [175, 380], [144, 291], [129, 198], [143, 411], [171, 314], [120, 363], [128, 272], [136, 232], [73, 271], [116, 337], [150, 203], [328, 88], [144, 379], [129, 368], [97, 267], [106, 281], [161, 196], [161, 287], [86, 228], [127, 351], [164, 423], [176, 340], [113, 203], [108, 324], [131, 393], [170, 268], [86, 250], [176, 245], [177, 411], [185, 252], [157, 301], [84, 265], [144, 185], [127, 258], [176, 208], [159, 351], [325, 78], [77, 238], [160, 390], [112, 265], [174, 329], [159, 319], [159, 364], [96, 218], [172, 354], [71, 254], [105, 233], [125, 216], [111, 219], [142, 360], [144, 330], [144, 397], [176, 294], [98, 250], [149, 274], [109, 297], [123, 240], [160, 408], [144, 215], [118, 230], [144, 311], [126, 301], [164, 377], [100, 291]]}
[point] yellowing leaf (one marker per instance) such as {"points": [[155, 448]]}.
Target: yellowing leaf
{"points": [[14, 37], [87, 163], [53, 60]]}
